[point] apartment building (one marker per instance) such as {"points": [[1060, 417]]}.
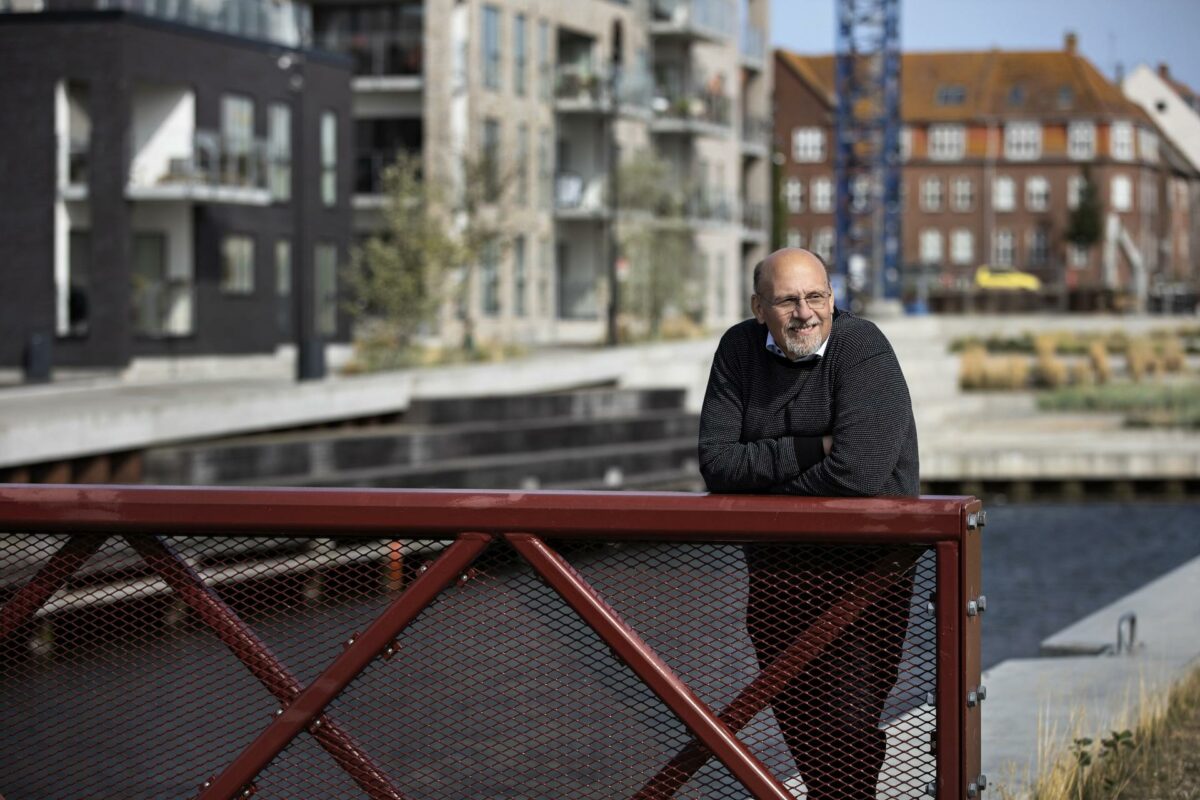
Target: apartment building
{"points": [[175, 182], [559, 94], [996, 147]]}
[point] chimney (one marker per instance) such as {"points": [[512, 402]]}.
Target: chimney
{"points": [[1163, 72], [1070, 41]]}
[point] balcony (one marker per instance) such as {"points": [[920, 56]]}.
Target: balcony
{"points": [[752, 47], [756, 136], [215, 171], [280, 22], [698, 206], [699, 111], [701, 20], [754, 221], [580, 198], [74, 166], [580, 88], [383, 61]]}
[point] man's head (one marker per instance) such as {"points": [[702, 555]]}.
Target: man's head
{"points": [[792, 296]]}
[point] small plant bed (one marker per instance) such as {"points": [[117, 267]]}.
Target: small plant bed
{"points": [[1145, 405], [1159, 760]]}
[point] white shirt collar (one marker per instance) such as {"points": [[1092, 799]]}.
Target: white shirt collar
{"points": [[779, 351]]}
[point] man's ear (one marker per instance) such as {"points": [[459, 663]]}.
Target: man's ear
{"points": [[757, 308]]}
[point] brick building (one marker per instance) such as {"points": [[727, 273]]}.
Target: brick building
{"points": [[996, 148]]}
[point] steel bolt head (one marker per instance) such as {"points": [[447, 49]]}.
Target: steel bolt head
{"points": [[982, 780], [972, 608], [972, 790]]}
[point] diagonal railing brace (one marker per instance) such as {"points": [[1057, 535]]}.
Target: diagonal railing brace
{"points": [[640, 658], [308, 705], [760, 692], [21, 607], [258, 658]]}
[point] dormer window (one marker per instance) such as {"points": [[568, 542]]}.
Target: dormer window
{"points": [[951, 95], [1016, 95], [1066, 97]]}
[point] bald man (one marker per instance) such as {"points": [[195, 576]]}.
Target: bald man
{"points": [[805, 399]]}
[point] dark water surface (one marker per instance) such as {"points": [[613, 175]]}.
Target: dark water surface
{"points": [[1045, 566]]}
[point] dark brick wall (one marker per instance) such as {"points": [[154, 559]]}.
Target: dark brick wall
{"points": [[112, 53]]}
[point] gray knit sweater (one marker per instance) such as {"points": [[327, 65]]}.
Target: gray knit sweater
{"points": [[763, 417]]}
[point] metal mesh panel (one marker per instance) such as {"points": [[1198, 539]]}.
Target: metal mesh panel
{"points": [[133, 681]]}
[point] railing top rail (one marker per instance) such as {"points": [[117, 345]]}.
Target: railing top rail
{"points": [[435, 513]]}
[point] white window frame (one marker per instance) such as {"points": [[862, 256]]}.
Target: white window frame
{"points": [[947, 142], [1120, 141], [1078, 255], [1004, 248], [962, 246], [808, 145], [795, 238], [822, 243], [931, 246], [1022, 141], [1037, 247], [237, 264], [962, 193], [1037, 193], [1075, 185], [931, 193], [1004, 193], [793, 195], [1081, 140], [1121, 193], [1147, 145], [821, 195]]}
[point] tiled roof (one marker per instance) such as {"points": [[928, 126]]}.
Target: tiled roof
{"points": [[1053, 84]]}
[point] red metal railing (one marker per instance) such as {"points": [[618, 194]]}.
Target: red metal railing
{"points": [[446, 644]]}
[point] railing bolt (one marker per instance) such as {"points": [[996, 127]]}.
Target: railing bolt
{"points": [[982, 603], [982, 780], [278, 712], [982, 518], [972, 608], [391, 650], [982, 693], [972, 790], [931, 699], [931, 788], [977, 696], [972, 521], [316, 724], [972, 699], [351, 641]]}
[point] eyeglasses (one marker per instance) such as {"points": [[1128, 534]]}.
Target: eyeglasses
{"points": [[814, 300]]}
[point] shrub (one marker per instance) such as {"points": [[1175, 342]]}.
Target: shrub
{"points": [[972, 370], [1050, 372], [1098, 358]]}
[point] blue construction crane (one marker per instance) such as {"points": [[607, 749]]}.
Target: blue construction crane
{"points": [[867, 254]]}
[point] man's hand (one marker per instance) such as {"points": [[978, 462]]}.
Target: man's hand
{"points": [[827, 443]]}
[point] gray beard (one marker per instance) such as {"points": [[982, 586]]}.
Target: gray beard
{"points": [[796, 347]]}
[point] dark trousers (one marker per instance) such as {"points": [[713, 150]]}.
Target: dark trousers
{"points": [[829, 713]]}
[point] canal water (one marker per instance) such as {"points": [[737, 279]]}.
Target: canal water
{"points": [[1045, 566]]}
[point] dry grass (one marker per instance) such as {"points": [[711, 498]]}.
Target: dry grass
{"points": [[1157, 758]]}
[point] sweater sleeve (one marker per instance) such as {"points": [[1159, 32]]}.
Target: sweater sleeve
{"points": [[728, 464], [871, 421]]}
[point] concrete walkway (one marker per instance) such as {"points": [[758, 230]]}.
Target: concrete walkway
{"points": [[1036, 707]]}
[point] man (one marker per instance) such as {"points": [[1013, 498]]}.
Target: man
{"points": [[805, 399]]}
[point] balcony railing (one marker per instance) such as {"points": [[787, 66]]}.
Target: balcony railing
{"points": [[753, 44], [756, 131], [578, 195], [211, 643], [588, 87], [282, 22], [754, 217], [708, 106], [378, 54], [238, 169], [709, 18]]}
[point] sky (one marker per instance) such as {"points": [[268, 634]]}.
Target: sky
{"points": [[1130, 32]]}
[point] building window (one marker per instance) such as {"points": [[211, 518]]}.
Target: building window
{"points": [[793, 194], [1004, 194], [808, 145], [237, 264], [1147, 194], [1022, 141], [491, 47], [522, 197], [1002, 252], [545, 277], [1039, 247], [520, 278], [795, 238], [931, 194], [962, 194], [1120, 144], [279, 151], [325, 287], [1037, 193], [489, 276], [1079, 255], [947, 142], [822, 244], [1081, 140], [545, 169], [1122, 193], [1066, 97], [329, 158], [962, 246], [1148, 145], [283, 284], [490, 165], [822, 195], [519, 59], [951, 95], [545, 78], [78, 305], [161, 301], [931, 246], [237, 141], [905, 143]]}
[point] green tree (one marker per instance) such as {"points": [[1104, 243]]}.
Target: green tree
{"points": [[1084, 227]]}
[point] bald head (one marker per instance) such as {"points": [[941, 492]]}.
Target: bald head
{"points": [[787, 257]]}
